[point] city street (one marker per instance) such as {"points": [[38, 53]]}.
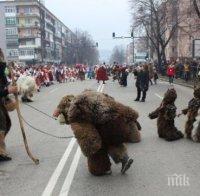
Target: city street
{"points": [[63, 169]]}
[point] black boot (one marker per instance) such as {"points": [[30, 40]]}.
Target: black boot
{"points": [[126, 164], [24, 99]]}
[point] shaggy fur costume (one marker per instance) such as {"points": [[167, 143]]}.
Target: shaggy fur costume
{"points": [[101, 126], [195, 134], [27, 86], [192, 112], [166, 114]]}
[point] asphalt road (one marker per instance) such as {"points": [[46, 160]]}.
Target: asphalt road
{"points": [[63, 169]]}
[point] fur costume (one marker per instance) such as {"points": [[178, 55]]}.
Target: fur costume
{"points": [[195, 134], [166, 114], [27, 86], [101, 126], [192, 112]]}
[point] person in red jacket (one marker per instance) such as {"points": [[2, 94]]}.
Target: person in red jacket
{"points": [[171, 73], [102, 74]]}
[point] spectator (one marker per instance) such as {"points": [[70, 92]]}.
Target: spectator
{"points": [[186, 71], [142, 82], [171, 73]]}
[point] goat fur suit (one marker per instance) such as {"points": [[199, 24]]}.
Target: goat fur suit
{"points": [[165, 115], [101, 126], [27, 86]]}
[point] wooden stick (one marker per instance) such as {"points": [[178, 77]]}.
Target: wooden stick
{"points": [[35, 160]]}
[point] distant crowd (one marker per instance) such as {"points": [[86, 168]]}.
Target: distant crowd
{"points": [[187, 70]]}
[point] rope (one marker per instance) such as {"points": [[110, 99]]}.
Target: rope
{"points": [[39, 111], [43, 132]]}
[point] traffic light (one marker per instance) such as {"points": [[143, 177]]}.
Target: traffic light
{"points": [[113, 35], [132, 35]]}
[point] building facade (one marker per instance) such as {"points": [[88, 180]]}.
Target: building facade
{"points": [[30, 33], [181, 45]]}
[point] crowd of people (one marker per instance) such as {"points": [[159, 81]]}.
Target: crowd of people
{"points": [[188, 70]]}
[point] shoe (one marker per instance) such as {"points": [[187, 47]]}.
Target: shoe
{"points": [[136, 100], [126, 165], [109, 172], [29, 100], [24, 99], [4, 157], [143, 100]]}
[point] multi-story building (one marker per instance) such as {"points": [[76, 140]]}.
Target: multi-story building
{"points": [[30, 33], [181, 45]]}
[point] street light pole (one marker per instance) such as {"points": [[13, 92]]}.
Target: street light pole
{"points": [[125, 37]]}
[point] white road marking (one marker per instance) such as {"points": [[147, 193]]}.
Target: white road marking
{"points": [[100, 86], [159, 96], [52, 91], [70, 176], [54, 178]]}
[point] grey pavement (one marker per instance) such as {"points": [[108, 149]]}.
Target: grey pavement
{"points": [[154, 158]]}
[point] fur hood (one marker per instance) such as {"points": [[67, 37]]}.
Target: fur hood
{"points": [[197, 92], [170, 96]]}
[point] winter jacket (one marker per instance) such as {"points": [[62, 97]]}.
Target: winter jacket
{"points": [[142, 80], [170, 71]]}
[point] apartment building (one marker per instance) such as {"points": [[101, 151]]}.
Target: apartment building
{"points": [[181, 45], [30, 33]]}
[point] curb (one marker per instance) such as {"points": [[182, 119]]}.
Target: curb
{"points": [[177, 82]]}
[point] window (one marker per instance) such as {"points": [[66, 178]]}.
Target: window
{"points": [[28, 21], [30, 52], [28, 32], [27, 10], [11, 21], [12, 53], [10, 9], [11, 31], [22, 52], [26, 52]]}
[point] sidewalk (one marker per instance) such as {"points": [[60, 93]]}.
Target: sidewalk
{"points": [[182, 82]]}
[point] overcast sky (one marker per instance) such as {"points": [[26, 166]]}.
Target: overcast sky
{"points": [[99, 17]]}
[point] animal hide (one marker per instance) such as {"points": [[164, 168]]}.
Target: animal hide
{"points": [[26, 85], [195, 133]]}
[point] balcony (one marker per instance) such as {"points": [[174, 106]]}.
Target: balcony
{"points": [[25, 15], [27, 36], [26, 57], [25, 26], [29, 46]]}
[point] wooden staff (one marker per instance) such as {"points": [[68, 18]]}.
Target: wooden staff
{"points": [[36, 161]]}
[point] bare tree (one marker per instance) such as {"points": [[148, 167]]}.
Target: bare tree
{"points": [[118, 55], [196, 4], [82, 49], [159, 20]]}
